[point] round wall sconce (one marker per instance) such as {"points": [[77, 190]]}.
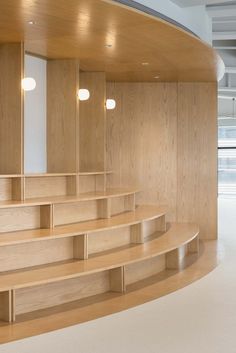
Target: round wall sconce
{"points": [[110, 104], [83, 94], [28, 84]]}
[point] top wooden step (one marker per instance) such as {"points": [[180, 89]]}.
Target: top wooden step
{"points": [[46, 175], [141, 214], [88, 196], [177, 236]]}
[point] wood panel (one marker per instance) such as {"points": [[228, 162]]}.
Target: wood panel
{"points": [[142, 140], [110, 239], [80, 247], [178, 235], [75, 212], [5, 189], [34, 254], [88, 183], [197, 156], [163, 138], [92, 125], [6, 306], [117, 280], [151, 227], [11, 108], [144, 269], [45, 186], [121, 221], [94, 308], [35, 298], [85, 28], [122, 204], [12, 219], [62, 115]]}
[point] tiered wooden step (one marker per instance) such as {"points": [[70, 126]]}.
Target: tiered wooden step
{"points": [[140, 215], [52, 200], [63, 247], [35, 288], [47, 212], [177, 236], [25, 186]]}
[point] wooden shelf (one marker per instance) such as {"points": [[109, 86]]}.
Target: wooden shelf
{"points": [[141, 214], [177, 236], [3, 176], [95, 173], [41, 175], [99, 195]]}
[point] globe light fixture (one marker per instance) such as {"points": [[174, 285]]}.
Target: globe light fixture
{"points": [[83, 94], [110, 104], [28, 84]]}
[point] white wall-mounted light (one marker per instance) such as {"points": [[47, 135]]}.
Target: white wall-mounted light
{"points": [[83, 94], [110, 104], [28, 84]]}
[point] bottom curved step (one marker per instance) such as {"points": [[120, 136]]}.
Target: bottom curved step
{"points": [[85, 309]]}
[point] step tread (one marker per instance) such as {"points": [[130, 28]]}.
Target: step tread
{"points": [[142, 213], [179, 234], [87, 196]]}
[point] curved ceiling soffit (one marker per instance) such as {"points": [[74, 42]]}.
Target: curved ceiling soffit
{"points": [[153, 13]]}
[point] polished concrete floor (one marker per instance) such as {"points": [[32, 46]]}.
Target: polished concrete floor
{"points": [[197, 318]]}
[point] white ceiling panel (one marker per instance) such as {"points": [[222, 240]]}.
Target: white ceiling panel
{"points": [[187, 3]]}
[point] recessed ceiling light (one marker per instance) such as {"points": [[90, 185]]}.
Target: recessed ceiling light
{"points": [[145, 64], [31, 22]]}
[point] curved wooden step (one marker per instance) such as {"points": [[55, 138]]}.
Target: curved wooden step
{"points": [[177, 236], [141, 214], [88, 196], [46, 175]]}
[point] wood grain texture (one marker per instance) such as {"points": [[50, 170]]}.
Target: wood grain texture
{"points": [[80, 247], [6, 306], [107, 240], [110, 303], [117, 280], [62, 115], [177, 236], [36, 298], [11, 108], [87, 196], [121, 221], [83, 30], [45, 186], [197, 156], [92, 123], [144, 269], [142, 140], [163, 139], [14, 219], [34, 254], [75, 212], [5, 189]]}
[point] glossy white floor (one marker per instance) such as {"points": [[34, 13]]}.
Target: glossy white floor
{"points": [[198, 318]]}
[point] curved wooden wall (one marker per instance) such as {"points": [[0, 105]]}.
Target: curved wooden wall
{"points": [[84, 233], [163, 137]]}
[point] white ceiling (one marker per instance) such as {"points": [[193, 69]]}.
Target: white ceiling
{"points": [[187, 3]]}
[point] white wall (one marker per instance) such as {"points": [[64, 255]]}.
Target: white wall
{"points": [[194, 18], [35, 117]]}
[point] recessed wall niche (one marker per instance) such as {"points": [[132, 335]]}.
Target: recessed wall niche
{"points": [[35, 102]]}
